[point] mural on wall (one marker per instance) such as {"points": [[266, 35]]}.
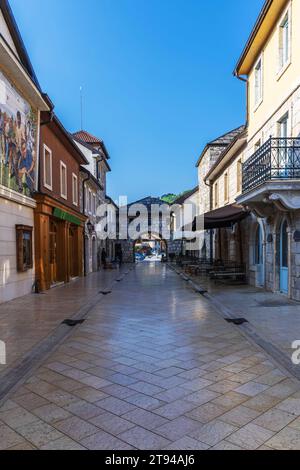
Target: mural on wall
{"points": [[18, 135]]}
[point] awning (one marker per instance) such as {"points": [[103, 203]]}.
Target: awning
{"points": [[224, 217]]}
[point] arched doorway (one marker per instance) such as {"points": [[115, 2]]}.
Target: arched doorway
{"points": [[259, 256], [284, 258], [152, 248]]}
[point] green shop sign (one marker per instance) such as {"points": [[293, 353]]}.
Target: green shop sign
{"points": [[65, 216]]}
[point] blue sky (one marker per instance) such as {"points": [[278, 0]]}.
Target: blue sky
{"points": [[156, 77]]}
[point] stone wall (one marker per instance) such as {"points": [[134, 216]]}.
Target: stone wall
{"points": [[206, 163], [271, 248], [127, 250]]}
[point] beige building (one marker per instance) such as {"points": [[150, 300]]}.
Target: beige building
{"points": [[270, 64], [229, 233], [207, 160]]}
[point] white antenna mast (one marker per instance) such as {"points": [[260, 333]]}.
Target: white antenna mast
{"points": [[81, 108]]}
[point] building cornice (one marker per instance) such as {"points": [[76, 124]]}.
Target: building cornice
{"points": [[18, 198], [260, 33], [41, 199]]}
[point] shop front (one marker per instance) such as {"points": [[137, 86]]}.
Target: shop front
{"points": [[59, 243]]}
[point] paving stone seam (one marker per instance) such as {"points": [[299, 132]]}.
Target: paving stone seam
{"points": [[247, 330], [32, 359]]}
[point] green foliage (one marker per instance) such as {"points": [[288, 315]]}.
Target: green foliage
{"points": [[170, 197]]}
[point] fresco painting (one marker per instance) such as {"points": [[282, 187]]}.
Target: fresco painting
{"points": [[18, 136]]}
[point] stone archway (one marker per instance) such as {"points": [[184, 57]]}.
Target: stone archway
{"points": [[152, 227], [151, 242]]}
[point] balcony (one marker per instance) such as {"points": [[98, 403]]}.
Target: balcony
{"points": [[271, 177], [277, 159]]}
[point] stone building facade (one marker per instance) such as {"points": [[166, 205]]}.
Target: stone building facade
{"points": [[208, 158], [230, 243]]}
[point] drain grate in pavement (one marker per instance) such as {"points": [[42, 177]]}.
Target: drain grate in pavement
{"points": [[70, 322], [237, 321]]}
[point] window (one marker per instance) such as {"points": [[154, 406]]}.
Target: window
{"points": [[283, 126], [63, 180], [47, 168], [90, 202], [75, 189], [94, 204], [99, 175], [216, 195], [239, 174], [258, 82], [284, 42], [226, 187], [24, 248], [86, 199], [285, 155]]}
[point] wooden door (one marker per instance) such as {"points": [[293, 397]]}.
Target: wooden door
{"points": [[73, 252], [284, 256]]}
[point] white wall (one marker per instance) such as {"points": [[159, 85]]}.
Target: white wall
{"points": [[89, 156], [12, 283], [6, 34]]}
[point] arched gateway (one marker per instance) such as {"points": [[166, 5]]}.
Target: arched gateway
{"points": [[151, 230]]}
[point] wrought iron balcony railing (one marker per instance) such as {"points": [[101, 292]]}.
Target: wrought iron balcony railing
{"points": [[277, 159]]}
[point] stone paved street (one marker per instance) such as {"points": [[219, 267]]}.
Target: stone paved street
{"points": [[274, 316], [26, 321], [154, 366]]}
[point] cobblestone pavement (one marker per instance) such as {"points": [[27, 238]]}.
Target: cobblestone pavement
{"points": [[26, 321], [154, 367], [275, 317]]}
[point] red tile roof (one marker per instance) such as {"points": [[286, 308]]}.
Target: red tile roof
{"points": [[87, 137]]}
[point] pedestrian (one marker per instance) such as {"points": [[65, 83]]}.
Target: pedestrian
{"points": [[120, 256], [103, 258]]}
